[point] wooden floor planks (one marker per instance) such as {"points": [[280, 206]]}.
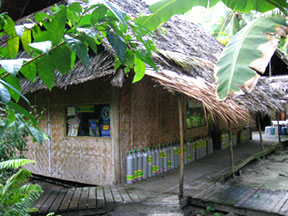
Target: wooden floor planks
{"points": [[103, 199]]}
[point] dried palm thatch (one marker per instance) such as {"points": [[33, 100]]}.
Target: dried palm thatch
{"points": [[185, 60], [268, 97]]}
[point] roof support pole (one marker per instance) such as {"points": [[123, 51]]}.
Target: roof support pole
{"points": [[231, 149], [181, 130], [260, 132], [278, 125]]}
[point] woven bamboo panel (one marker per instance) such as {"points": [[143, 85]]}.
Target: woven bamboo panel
{"points": [[148, 116], [81, 159]]}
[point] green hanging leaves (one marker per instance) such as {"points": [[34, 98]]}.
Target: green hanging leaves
{"points": [[139, 70], [98, 13], [119, 14], [15, 88], [25, 40], [233, 68], [29, 71], [60, 54], [12, 66], [55, 28], [118, 45], [79, 48], [165, 9], [44, 46], [13, 47], [4, 94], [46, 70]]}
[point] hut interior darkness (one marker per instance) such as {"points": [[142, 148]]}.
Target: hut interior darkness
{"points": [[117, 116]]}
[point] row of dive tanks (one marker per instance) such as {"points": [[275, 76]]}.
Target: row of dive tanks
{"points": [[159, 159]]}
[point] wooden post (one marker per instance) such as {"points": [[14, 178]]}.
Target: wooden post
{"points": [[279, 135], [181, 180], [260, 132], [231, 149]]}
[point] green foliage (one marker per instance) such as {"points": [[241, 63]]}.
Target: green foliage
{"points": [[233, 68], [165, 9], [54, 41], [14, 130], [16, 197]]}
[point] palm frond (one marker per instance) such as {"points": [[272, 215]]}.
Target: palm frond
{"points": [[16, 180], [15, 163]]}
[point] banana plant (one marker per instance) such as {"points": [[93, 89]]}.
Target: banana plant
{"points": [[254, 45]]}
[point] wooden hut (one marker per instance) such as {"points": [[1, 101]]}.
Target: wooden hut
{"points": [[95, 116]]}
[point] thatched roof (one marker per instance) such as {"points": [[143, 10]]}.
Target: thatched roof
{"points": [[268, 97], [185, 61]]}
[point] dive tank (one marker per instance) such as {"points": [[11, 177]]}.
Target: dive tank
{"points": [[172, 156], [135, 167], [129, 169], [153, 152], [145, 164], [165, 159], [161, 158], [149, 162], [175, 156], [157, 161], [140, 165]]}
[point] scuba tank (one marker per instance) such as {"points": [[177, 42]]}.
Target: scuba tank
{"points": [[140, 165], [161, 158], [185, 152], [189, 149], [165, 159], [145, 164], [175, 156], [129, 169], [149, 161], [135, 170], [172, 156], [153, 161], [168, 157], [157, 161], [178, 155]]}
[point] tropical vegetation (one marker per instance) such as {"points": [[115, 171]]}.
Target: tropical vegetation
{"points": [[248, 51]]}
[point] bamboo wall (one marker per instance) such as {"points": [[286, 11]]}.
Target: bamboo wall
{"points": [[149, 116], [82, 159]]}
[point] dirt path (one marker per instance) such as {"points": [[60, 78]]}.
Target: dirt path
{"points": [[269, 173]]}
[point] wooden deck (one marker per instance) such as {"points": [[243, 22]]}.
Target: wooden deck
{"points": [[162, 190], [240, 199], [97, 200]]}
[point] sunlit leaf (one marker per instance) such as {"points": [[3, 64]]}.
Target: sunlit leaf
{"points": [[165, 9], [12, 66], [19, 29], [119, 14], [13, 47], [4, 94], [118, 45], [79, 48], [44, 46], [139, 70], [26, 39]]}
